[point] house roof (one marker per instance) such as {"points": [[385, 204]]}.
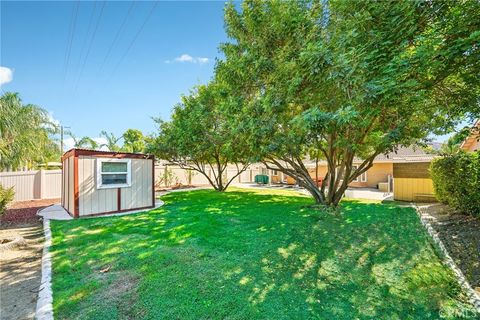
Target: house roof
{"points": [[405, 154], [472, 137], [402, 155]]}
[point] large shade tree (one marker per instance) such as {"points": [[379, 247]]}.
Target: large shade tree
{"points": [[26, 134], [201, 136], [339, 80]]}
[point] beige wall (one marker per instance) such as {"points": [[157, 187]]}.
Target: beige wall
{"points": [[31, 185], [140, 193], [474, 146], [94, 201]]}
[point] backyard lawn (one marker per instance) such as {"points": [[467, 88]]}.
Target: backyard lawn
{"points": [[251, 254]]}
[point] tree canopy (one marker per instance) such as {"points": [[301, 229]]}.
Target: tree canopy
{"points": [[201, 136], [26, 134], [340, 80], [133, 141]]}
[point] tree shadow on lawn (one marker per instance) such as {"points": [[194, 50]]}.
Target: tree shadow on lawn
{"points": [[247, 255]]}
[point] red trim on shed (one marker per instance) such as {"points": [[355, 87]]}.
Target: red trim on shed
{"points": [[76, 193], [153, 181], [75, 153]]}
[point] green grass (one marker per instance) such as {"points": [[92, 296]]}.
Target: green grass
{"points": [[249, 254]]}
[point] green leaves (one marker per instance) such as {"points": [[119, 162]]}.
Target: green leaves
{"points": [[352, 78], [203, 135], [26, 134]]}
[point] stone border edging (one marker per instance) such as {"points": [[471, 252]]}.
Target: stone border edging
{"points": [[44, 310], [473, 296]]}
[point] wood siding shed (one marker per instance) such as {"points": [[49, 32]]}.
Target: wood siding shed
{"points": [[85, 193]]}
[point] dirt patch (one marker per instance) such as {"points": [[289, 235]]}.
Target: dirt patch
{"points": [[21, 234], [461, 236], [20, 273], [24, 212]]}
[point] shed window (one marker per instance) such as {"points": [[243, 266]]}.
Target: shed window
{"points": [[113, 173]]}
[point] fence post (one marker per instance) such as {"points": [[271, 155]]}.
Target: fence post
{"points": [[42, 184], [165, 176]]}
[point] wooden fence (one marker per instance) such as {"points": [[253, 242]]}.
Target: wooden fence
{"points": [[31, 185], [411, 182]]}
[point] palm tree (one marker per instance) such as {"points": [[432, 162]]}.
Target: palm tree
{"points": [[111, 141], [84, 143], [26, 134]]}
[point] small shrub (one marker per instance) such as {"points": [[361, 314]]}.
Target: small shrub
{"points": [[6, 196], [166, 179], [456, 180]]}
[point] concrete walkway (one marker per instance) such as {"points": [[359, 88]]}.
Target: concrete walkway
{"points": [[57, 212], [352, 193], [54, 212]]}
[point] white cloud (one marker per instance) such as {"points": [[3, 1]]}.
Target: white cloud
{"points": [[68, 143], [188, 58], [52, 120], [6, 75]]}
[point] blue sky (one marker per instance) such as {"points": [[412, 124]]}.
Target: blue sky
{"points": [[108, 65], [67, 71]]}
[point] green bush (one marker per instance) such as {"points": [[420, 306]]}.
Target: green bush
{"points": [[456, 180], [6, 195]]}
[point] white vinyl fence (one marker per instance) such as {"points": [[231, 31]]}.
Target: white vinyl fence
{"points": [[166, 176], [47, 184], [31, 185]]}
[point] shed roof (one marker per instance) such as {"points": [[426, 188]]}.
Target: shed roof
{"points": [[98, 153]]}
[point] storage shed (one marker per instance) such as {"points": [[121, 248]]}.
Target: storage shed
{"points": [[100, 182], [412, 182]]}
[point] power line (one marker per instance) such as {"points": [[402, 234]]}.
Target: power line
{"points": [[73, 23], [119, 31], [91, 43], [135, 37], [90, 22]]}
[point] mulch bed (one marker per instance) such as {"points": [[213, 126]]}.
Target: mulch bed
{"points": [[461, 236], [22, 212]]}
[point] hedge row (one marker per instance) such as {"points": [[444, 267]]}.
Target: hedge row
{"points": [[456, 180]]}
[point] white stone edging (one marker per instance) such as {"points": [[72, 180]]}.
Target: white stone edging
{"points": [[44, 310], [473, 296]]}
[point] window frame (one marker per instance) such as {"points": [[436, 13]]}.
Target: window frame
{"points": [[100, 185], [360, 178]]}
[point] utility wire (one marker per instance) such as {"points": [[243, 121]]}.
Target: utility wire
{"points": [[91, 43], [135, 37], [73, 23], [90, 23], [119, 31]]}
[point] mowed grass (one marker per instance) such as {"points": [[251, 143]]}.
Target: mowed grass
{"points": [[250, 254]]}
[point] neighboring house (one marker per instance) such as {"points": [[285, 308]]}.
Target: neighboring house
{"points": [[384, 166], [404, 172], [472, 142]]}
